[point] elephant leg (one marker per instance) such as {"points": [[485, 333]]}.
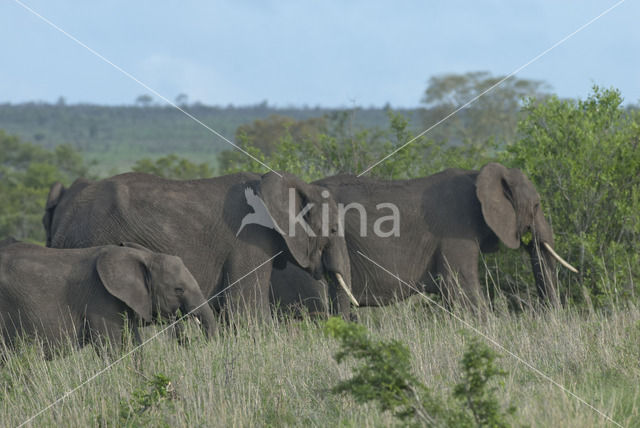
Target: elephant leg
{"points": [[457, 266], [105, 333], [337, 302], [246, 294], [293, 293], [138, 356]]}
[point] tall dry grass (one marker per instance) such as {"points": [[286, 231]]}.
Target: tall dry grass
{"points": [[280, 373]]}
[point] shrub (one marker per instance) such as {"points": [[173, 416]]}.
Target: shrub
{"points": [[385, 377], [172, 166], [26, 174], [153, 393], [584, 159]]}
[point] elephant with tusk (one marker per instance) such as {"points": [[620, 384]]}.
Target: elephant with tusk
{"points": [[226, 229], [444, 222]]}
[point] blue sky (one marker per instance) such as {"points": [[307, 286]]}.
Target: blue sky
{"points": [[326, 53]]}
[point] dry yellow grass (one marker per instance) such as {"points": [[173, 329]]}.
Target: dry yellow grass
{"points": [[279, 374]]}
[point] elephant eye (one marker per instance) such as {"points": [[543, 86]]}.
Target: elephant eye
{"points": [[179, 291]]}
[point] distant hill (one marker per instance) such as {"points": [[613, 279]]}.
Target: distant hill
{"points": [[116, 136]]}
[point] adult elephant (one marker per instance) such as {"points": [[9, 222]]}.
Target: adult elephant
{"points": [[434, 239], [82, 294], [227, 229]]}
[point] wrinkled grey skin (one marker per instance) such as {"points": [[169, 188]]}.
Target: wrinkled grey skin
{"points": [[295, 293], [55, 294], [446, 220], [198, 220]]}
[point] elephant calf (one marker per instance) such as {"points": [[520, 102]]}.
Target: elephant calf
{"points": [[82, 294]]}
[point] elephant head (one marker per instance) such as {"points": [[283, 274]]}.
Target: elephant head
{"points": [[152, 284], [57, 194], [511, 209], [306, 216]]}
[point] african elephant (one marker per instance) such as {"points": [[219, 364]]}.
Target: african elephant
{"points": [[227, 229], [56, 294], [444, 222]]}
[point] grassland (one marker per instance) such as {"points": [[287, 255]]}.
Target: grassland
{"points": [[116, 136], [280, 373]]}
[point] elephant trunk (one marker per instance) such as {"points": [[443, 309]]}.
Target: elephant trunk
{"points": [[203, 313], [544, 273], [542, 261], [338, 268], [340, 295]]}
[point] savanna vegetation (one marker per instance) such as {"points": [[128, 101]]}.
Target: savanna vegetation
{"points": [[407, 364], [286, 374], [117, 136]]}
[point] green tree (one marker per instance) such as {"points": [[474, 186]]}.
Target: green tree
{"points": [[265, 134], [263, 138], [182, 99], [584, 159], [174, 167], [26, 174], [144, 100], [339, 148], [493, 116], [342, 147]]}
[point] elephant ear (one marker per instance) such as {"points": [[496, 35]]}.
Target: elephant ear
{"points": [[493, 191], [124, 274], [275, 192], [55, 194]]}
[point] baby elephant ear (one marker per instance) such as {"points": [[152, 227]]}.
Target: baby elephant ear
{"points": [[123, 272]]}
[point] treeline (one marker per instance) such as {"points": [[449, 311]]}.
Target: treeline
{"points": [[118, 135], [582, 155], [149, 129]]}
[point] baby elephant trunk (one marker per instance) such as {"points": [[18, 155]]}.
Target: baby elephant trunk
{"points": [[200, 309]]}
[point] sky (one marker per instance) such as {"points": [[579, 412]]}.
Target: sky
{"points": [[308, 53]]}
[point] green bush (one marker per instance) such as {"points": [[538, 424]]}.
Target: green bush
{"points": [[26, 174], [155, 392], [385, 377], [174, 167], [584, 159], [341, 148]]}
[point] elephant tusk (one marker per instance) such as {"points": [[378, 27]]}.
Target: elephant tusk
{"points": [[346, 290], [560, 259]]}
